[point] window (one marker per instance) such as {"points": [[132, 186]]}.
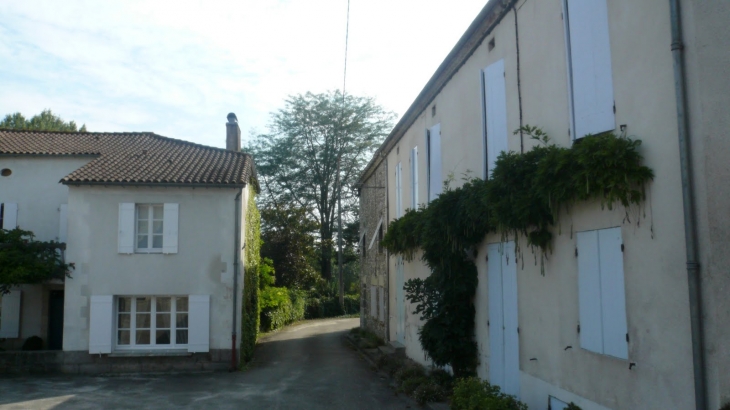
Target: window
{"points": [[495, 114], [152, 321], [149, 228], [433, 146], [10, 314], [601, 292], [590, 79], [414, 178], [380, 238]]}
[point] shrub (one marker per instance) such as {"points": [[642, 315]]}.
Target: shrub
{"points": [[280, 306], [33, 343], [444, 379], [410, 384], [408, 372], [366, 339], [390, 363], [429, 391], [329, 306], [474, 394]]}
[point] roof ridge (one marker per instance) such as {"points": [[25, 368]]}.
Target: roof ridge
{"points": [[78, 132], [195, 144]]}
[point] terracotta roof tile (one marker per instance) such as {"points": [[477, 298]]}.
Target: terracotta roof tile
{"points": [[134, 158]]}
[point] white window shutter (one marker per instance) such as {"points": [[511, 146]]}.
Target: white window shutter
{"points": [[101, 323], [126, 227], [10, 216], [613, 298], [414, 178], [435, 183], [589, 292], [10, 320], [496, 315], [199, 325], [169, 227], [495, 92], [63, 223], [590, 67]]}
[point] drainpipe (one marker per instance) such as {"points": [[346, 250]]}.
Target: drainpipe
{"points": [[690, 227], [236, 259]]}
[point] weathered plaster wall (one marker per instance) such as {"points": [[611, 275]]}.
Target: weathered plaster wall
{"points": [[203, 264], [373, 274]]}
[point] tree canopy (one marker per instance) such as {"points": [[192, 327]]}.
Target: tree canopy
{"points": [[312, 138], [45, 121]]}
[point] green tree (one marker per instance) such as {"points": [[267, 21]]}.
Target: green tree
{"points": [[310, 139], [288, 236], [45, 121], [24, 260]]}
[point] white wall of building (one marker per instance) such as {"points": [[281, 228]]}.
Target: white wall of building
{"points": [[654, 263], [203, 264]]}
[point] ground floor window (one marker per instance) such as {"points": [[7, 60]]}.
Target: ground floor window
{"points": [[152, 321]]}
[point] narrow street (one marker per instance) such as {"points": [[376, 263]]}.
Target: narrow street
{"points": [[306, 366]]}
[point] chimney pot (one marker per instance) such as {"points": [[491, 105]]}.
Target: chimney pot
{"points": [[233, 133]]}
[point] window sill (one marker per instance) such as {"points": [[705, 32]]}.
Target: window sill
{"points": [[149, 353]]}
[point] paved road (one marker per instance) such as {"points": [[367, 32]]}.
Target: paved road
{"points": [[303, 367]]}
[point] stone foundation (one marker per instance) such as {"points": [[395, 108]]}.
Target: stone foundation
{"points": [[79, 362]]}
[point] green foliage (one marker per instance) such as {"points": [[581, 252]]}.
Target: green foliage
{"points": [[329, 306], [267, 274], [251, 311], [366, 339], [24, 260], [32, 343], [429, 391], [298, 160], [280, 307], [288, 235], [45, 121], [474, 394], [523, 197], [408, 372]]}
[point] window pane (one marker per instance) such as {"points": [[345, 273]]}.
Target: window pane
{"points": [[143, 337], [124, 305], [123, 337], [181, 320], [157, 227], [182, 304], [162, 337], [163, 321], [143, 304], [142, 211], [157, 241], [157, 212], [163, 304], [142, 227], [124, 321], [181, 337], [143, 321], [142, 242]]}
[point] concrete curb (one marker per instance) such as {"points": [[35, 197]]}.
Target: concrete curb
{"points": [[371, 361]]}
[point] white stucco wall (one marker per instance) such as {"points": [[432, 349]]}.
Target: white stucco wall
{"points": [[33, 185], [203, 264], [654, 262]]}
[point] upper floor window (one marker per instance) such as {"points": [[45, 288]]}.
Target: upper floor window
{"points": [[148, 228], [8, 216], [150, 222]]}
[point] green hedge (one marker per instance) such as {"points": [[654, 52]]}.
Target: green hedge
{"points": [[330, 307], [252, 258], [280, 306], [474, 394]]}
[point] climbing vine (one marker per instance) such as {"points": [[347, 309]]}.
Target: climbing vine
{"points": [[523, 198], [252, 258], [25, 260]]}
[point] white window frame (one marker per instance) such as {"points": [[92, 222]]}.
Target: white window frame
{"points": [[153, 323], [150, 228]]}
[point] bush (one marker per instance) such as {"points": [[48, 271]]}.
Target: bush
{"points": [[33, 343], [442, 378], [366, 339], [408, 372], [329, 306], [390, 363], [410, 384], [429, 391], [280, 306], [474, 394]]}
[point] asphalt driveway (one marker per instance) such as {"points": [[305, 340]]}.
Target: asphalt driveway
{"points": [[303, 367]]}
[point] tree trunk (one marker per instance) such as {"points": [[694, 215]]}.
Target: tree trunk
{"points": [[326, 255]]}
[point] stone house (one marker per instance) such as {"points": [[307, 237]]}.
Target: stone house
{"points": [[154, 227], [654, 70]]}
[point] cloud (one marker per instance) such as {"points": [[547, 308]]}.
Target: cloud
{"points": [[177, 68]]}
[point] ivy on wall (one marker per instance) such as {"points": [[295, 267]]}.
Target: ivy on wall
{"points": [[523, 198], [251, 311]]}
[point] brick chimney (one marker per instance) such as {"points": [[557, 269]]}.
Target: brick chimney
{"points": [[233, 133]]}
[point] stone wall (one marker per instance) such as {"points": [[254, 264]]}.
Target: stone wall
{"points": [[374, 274], [78, 362]]}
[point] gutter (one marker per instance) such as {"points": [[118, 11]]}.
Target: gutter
{"points": [[236, 260], [478, 30], [690, 225], [155, 184]]}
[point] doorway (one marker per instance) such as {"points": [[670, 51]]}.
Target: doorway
{"points": [[55, 319]]}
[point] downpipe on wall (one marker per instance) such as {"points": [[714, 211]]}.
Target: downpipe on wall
{"points": [[236, 259], [690, 226]]}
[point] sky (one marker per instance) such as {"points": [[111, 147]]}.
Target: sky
{"points": [[177, 68]]}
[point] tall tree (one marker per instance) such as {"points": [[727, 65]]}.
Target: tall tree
{"points": [[45, 121], [312, 138]]}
